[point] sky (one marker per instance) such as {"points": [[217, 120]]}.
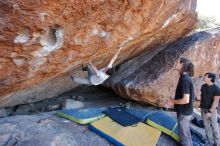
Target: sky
{"points": [[209, 8]]}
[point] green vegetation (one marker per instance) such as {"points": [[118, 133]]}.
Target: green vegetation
{"points": [[206, 22]]}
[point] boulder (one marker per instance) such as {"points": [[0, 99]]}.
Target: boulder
{"points": [[72, 104], [46, 129], [42, 40], [151, 78]]}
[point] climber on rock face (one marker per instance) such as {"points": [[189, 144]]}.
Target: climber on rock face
{"points": [[95, 76]]}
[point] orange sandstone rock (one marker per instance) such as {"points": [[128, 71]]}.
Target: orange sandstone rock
{"points": [[42, 40]]}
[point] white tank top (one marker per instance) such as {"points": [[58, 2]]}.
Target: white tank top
{"points": [[99, 78]]}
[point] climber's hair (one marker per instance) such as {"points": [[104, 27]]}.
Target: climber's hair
{"points": [[187, 66]]}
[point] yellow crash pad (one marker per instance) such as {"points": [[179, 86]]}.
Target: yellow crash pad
{"points": [[135, 135]]}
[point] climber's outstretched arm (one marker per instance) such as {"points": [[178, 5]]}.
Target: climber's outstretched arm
{"points": [[112, 60], [94, 68]]}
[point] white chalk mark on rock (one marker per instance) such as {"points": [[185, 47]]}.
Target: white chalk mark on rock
{"points": [[43, 16], [52, 41], [167, 22], [23, 37], [96, 31]]}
